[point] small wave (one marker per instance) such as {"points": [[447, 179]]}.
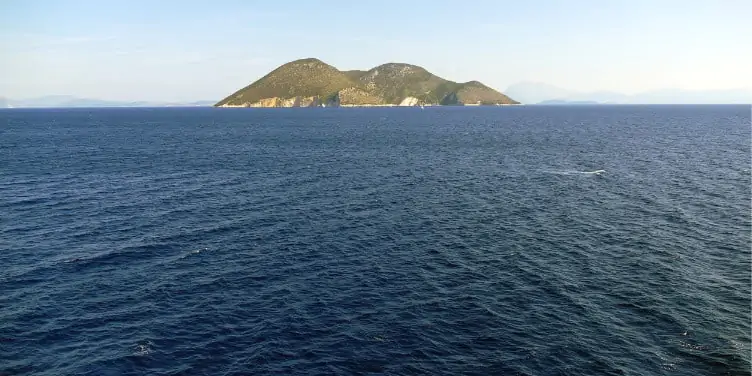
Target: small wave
{"points": [[194, 252], [120, 256], [573, 172]]}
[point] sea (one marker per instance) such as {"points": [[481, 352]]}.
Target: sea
{"points": [[376, 241]]}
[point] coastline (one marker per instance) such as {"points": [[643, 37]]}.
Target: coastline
{"points": [[373, 105]]}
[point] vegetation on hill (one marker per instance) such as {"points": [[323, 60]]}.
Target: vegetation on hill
{"points": [[311, 82], [476, 92], [354, 74], [304, 78]]}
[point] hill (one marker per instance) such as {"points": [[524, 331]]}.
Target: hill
{"points": [[312, 83]]}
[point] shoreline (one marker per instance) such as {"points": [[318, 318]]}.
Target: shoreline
{"points": [[372, 105]]}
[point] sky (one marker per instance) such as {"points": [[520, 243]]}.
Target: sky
{"points": [[204, 50]]}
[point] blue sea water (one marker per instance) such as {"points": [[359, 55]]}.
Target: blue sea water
{"points": [[384, 241]]}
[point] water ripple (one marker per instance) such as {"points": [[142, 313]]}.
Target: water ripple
{"points": [[376, 241]]}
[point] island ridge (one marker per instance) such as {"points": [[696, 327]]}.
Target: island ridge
{"points": [[312, 83]]}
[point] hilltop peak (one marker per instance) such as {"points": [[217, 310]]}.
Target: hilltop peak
{"points": [[393, 65], [399, 68], [306, 60]]}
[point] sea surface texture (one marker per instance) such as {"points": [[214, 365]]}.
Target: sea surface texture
{"points": [[382, 241]]}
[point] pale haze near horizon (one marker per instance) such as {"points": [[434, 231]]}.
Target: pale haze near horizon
{"points": [[199, 50]]}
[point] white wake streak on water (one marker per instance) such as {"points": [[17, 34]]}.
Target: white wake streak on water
{"points": [[573, 172]]}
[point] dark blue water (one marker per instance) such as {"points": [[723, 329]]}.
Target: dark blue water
{"points": [[458, 241]]}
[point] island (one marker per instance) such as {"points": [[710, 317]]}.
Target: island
{"points": [[312, 83]]}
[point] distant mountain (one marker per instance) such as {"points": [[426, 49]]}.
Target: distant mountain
{"points": [[565, 102], [536, 92], [312, 83], [195, 104], [67, 101]]}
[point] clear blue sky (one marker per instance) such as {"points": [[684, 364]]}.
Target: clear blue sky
{"points": [[194, 50]]}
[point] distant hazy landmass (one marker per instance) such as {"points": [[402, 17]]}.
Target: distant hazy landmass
{"points": [[564, 102], [312, 83], [536, 92], [67, 101]]}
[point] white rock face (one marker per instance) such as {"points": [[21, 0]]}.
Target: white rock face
{"points": [[291, 102], [409, 101]]}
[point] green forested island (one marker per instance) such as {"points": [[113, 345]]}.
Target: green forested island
{"points": [[313, 83]]}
